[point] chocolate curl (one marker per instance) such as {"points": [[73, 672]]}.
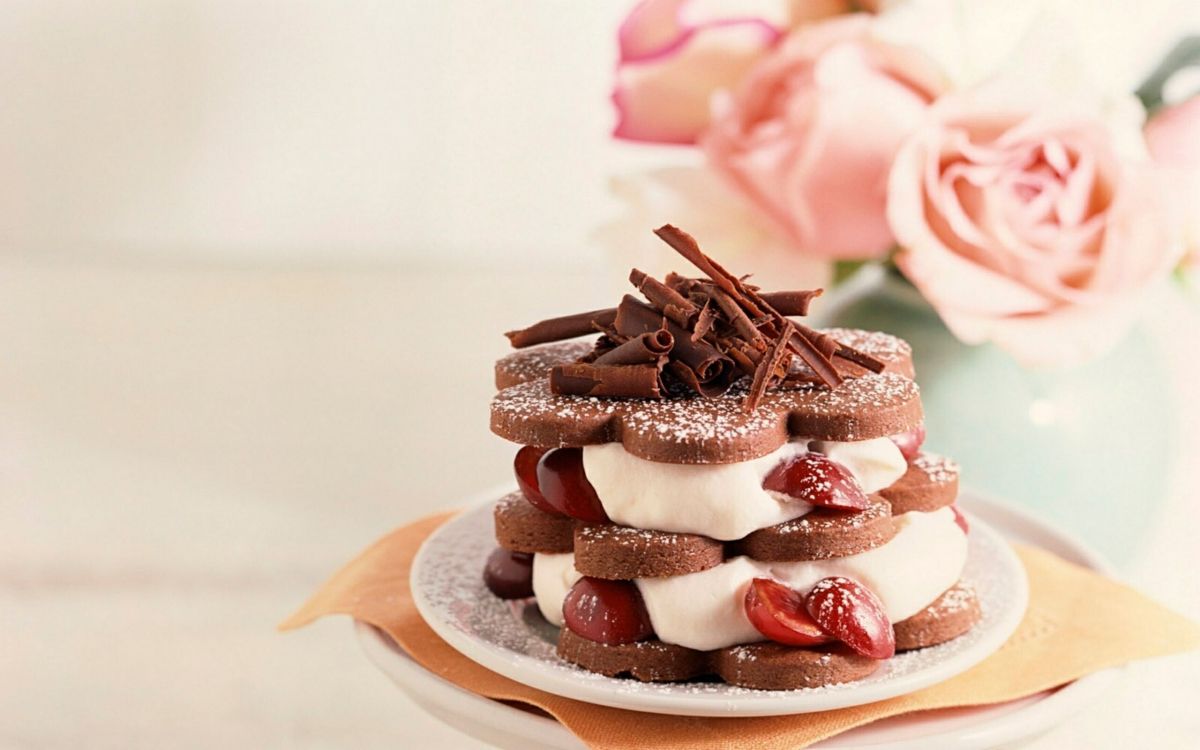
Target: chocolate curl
{"points": [[674, 305], [708, 366], [738, 318], [704, 322], [560, 329], [767, 368], [791, 303], [862, 359], [604, 344], [591, 379], [686, 246], [651, 347], [831, 347]]}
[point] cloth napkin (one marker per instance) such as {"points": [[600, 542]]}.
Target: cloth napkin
{"points": [[1078, 622]]}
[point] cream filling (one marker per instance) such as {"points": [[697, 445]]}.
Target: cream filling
{"points": [[721, 501], [553, 577], [704, 610]]}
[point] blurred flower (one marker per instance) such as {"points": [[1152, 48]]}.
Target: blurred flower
{"points": [[809, 134], [1024, 226], [674, 54], [1173, 136]]}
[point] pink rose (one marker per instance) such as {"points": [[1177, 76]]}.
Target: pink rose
{"points": [[1173, 136], [675, 53], [810, 134], [1027, 230]]}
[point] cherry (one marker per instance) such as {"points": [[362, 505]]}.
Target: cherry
{"points": [[960, 519], [609, 612], [508, 574], [910, 442], [565, 488], [525, 467], [817, 480], [778, 612], [853, 614]]}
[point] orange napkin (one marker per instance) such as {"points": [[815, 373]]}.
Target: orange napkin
{"points": [[1078, 622]]}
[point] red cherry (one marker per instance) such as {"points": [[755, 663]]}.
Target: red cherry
{"points": [[508, 574], [852, 614], [525, 467], [565, 488], [910, 442], [777, 611], [817, 480], [960, 519], [609, 612]]}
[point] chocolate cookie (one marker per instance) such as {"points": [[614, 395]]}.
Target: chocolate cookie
{"points": [[697, 430], [953, 613], [930, 483], [535, 362], [523, 528], [621, 552], [761, 666], [648, 661], [774, 666], [822, 534]]}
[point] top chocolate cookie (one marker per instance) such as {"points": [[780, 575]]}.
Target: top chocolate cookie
{"points": [[703, 370], [697, 430]]}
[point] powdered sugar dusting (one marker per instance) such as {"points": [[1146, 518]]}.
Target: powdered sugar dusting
{"points": [[690, 428], [880, 345], [534, 363], [939, 469]]}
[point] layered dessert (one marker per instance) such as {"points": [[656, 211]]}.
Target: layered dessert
{"points": [[712, 488]]}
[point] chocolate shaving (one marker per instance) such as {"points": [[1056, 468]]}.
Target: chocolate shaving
{"points": [[791, 303], [737, 318], [591, 379], [767, 368], [686, 246], [708, 365], [698, 334], [647, 348], [753, 304], [672, 304], [560, 329], [704, 322]]}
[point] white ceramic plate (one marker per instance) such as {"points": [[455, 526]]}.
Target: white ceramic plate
{"points": [[962, 729], [513, 639]]}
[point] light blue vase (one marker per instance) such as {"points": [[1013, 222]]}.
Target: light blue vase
{"points": [[1089, 448]]}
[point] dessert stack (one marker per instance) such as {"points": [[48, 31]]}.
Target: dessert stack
{"points": [[712, 488]]}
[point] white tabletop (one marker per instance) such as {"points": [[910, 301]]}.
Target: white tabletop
{"points": [[186, 453]]}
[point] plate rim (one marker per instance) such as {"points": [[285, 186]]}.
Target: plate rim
{"points": [[527, 670]]}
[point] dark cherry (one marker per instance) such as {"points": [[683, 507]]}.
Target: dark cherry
{"points": [[852, 613], [779, 613], [565, 488], [508, 574], [608, 612], [910, 442], [961, 520], [525, 467], [817, 480]]}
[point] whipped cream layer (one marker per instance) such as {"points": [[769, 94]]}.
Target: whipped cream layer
{"points": [[721, 501], [553, 577], [705, 610]]}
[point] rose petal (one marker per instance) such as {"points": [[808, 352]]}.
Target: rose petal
{"points": [[665, 97], [1025, 229]]}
